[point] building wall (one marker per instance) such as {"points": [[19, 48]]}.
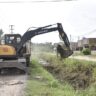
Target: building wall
{"points": [[80, 43], [73, 45], [92, 41], [87, 42]]}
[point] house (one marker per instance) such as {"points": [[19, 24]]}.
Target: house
{"points": [[73, 45], [80, 44], [87, 43]]}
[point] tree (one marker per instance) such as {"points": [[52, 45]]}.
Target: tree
{"points": [[1, 32]]}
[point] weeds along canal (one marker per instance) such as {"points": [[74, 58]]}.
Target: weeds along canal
{"points": [[79, 76]]}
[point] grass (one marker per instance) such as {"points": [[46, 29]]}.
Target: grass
{"points": [[48, 85], [70, 63], [76, 53], [41, 89], [66, 68]]}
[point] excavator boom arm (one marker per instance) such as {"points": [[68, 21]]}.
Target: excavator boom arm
{"points": [[41, 30]]}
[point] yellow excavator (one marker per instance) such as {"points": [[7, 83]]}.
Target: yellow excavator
{"points": [[15, 51]]}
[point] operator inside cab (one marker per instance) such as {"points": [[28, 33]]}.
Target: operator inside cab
{"points": [[12, 39]]}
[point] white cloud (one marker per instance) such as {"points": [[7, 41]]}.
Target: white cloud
{"points": [[77, 17]]}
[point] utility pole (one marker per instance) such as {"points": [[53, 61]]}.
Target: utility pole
{"points": [[70, 41], [70, 38], [78, 38], [11, 28]]}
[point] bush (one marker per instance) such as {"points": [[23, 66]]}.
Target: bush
{"points": [[86, 51]]}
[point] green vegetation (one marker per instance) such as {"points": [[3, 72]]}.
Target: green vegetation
{"points": [[42, 83], [86, 51], [76, 53], [68, 77], [81, 75]]}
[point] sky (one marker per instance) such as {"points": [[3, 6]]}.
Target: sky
{"points": [[78, 18]]}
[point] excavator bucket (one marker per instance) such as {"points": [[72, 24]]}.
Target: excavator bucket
{"points": [[67, 53], [64, 53]]}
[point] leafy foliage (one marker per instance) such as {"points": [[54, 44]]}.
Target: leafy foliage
{"points": [[1, 32], [86, 51]]}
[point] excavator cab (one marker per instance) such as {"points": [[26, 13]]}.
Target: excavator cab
{"points": [[12, 39]]}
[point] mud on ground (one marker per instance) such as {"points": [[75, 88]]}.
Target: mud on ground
{"points": [[12, 85]]}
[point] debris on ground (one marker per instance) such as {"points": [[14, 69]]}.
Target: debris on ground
{"points": [[38, 77]]}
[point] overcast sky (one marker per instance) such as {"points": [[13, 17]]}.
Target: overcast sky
{"points": [[77, 17]]}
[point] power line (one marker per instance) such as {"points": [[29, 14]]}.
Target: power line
{"points": [[88, 33], [81, 36]]}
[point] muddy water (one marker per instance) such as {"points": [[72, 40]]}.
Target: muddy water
{"points": [[12, 85]]}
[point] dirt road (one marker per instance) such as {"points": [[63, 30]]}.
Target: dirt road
{"points": [[12, 85], [88, 58]]}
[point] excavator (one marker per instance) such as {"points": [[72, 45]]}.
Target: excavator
{"points": [[15, 51]]}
